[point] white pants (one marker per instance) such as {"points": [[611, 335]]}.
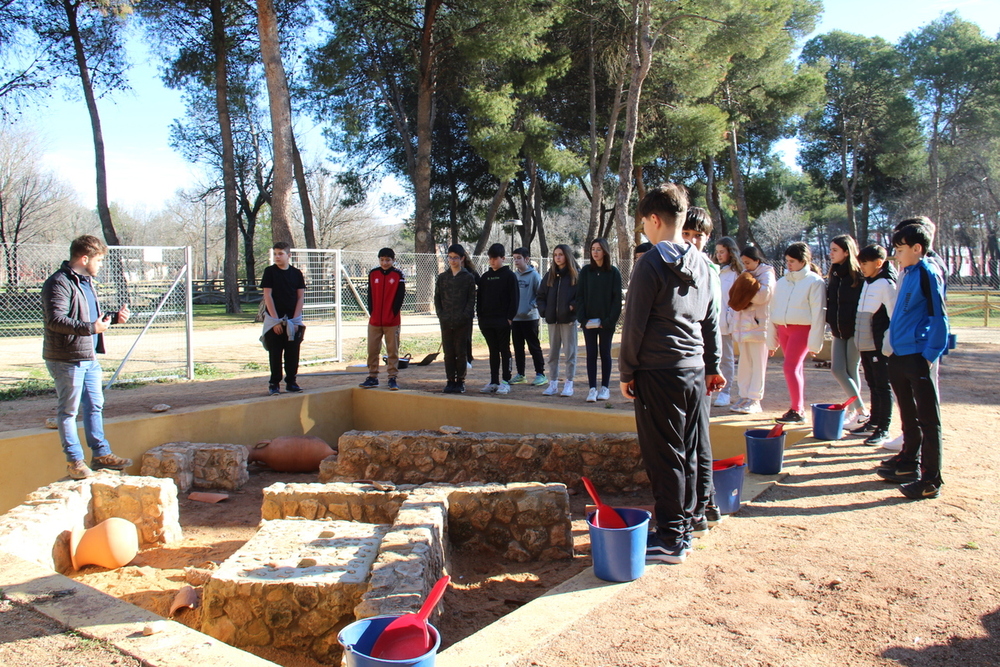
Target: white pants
{"points": [[753, 365], [562, 336], [727, 366]]}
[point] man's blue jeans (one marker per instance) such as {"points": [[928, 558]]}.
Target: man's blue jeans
{"points": [[78, 385]]}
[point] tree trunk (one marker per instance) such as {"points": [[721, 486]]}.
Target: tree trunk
{"points": [[640, 58], [491, 216], [543, 244], [308, 226], [281, 122], [743, 231], [232, 254], [866, 196], [103, 210], [712, 197], [640, 192], [847, 181]]}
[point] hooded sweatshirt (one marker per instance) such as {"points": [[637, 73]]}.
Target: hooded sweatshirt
{"points": [[497, 297], [670, 316], [527, 286], [799, 298]]}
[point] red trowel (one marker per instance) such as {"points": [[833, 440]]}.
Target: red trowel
{"points": [[605, 516]]}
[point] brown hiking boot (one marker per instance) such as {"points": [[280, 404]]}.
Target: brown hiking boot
{"points": [[111, 462], [78, 470]]}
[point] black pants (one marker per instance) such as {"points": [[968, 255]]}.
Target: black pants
{"points": [[526, 331], [705, 481], [670, 413], [598, 342], [468, 343], [453, 344], [915, 385], [498, 339], [876, 368], [278, 345]]}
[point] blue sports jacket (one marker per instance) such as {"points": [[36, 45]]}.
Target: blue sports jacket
{"points": [[919, 323]]}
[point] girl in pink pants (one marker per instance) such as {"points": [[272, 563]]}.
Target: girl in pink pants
{"points": [[796, 323]]}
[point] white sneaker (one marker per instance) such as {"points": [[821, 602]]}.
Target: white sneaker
{"points": [[551, 389], [850, 417], [567, 388], [894, 445], [752, 407], [592, 395], [859, 420], [738, 406], [603, 394], [722, 400], [488, 388], [468, 365], [503, 388]]}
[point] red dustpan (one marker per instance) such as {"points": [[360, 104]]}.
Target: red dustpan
{"points": [[731, 462], [408, 636], [776, 431], [606, 516], [843, 406]]}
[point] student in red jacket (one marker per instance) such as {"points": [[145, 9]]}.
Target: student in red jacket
{"points": [[386, 290]]}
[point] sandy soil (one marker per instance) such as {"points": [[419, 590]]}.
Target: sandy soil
{"points": [[830, 565]]}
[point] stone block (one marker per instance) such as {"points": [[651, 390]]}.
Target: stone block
{"points": [[201, 464]]}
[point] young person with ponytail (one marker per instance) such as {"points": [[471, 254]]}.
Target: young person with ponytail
{"points": [[843, 291]]}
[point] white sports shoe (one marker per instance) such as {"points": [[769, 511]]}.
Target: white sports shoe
{"points": [[894, 445], [567, 388], [503, 388], [592, 395], [722, 400], [752, 407], [488, 388], [738, 405], [552, 389], [603, 394]]}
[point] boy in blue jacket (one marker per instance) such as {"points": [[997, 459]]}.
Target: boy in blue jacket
{"points": [[918, 336]]}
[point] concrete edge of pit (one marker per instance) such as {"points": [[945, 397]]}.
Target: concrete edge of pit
{"points": [[522, 631], [100, 616]]}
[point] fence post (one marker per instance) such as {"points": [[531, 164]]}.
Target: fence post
{"points": [[189, 312], [338, 303], [986, 307]]}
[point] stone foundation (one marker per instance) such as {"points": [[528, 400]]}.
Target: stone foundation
{"points": [[611, 460], [39, 529], [200, 464], [293, 586]]}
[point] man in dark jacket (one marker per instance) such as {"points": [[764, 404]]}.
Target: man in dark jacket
{"points": [[669, 358], [497, 305], [386, 290], [74, 332], [455, 304]]}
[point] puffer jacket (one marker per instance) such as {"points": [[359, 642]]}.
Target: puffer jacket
{"points": [[455, 298], [878, 298], [750, 324], [799, 298], [842, 301], [68, 333], [554, 301], [727, 316]]}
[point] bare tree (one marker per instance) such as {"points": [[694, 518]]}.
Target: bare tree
{"points": [[775, 229]]}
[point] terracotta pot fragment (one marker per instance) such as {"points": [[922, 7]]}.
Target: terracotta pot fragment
{"points": [[187, 596], [291, 453]]}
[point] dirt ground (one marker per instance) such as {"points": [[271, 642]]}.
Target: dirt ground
{"points": [[830, 565]]}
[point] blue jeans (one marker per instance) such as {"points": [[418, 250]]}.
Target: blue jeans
{"points": [[78, 383]]}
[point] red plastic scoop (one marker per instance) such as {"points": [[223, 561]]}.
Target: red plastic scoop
{"points": [[408, 636], [606, 516], [731, 462], [843, 406], [776, 431]]}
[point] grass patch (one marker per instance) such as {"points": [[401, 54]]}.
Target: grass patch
{"points": [[214, 316], [27, 388], [203, 370]]}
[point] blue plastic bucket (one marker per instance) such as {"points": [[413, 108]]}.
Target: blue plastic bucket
{"points": [[827, 424], [728, 488], [359, 637], [765, 455], [620, 553]]}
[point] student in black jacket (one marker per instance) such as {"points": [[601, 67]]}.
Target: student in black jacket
{"points": [[598, 307], [497, 302], [455, 303], [556, 304], [843, 291]]}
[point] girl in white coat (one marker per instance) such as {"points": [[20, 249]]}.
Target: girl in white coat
{"points": [[797, 323], [749, 330], [727, 255]]}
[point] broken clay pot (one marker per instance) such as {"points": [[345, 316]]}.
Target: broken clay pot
{"points": [[291, 453], [111, 544]]}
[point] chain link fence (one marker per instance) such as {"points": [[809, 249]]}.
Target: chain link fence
{"points": [[153, 281]]}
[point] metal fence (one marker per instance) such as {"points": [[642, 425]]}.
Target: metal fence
{"points": [[155, 283]]}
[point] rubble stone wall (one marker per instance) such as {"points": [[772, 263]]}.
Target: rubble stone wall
{"points": [[350, 502], [205, 465], [611, 460]]}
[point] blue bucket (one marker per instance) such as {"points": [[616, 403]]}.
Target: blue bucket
{"points": [[765, 456], [620, 553], [728, 488], [827, 424], [359, 637]]}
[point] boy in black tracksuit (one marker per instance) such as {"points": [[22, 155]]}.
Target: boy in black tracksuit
{"points": [[455, 304], [668, 359], [497, 300]]}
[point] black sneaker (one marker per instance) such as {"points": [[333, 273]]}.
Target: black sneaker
{"points": [[699, 526], [791, 417], [292, 387], [392, 385], [273, 390], [901, 474], [369, 383], [891, 462], [864, 429], [658, 550], [878, 437], [450, 388], [920, 489], [460, 387], [713, 516]]}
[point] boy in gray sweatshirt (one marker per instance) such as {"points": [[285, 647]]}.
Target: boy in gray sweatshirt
{"points": [[524, 328]]}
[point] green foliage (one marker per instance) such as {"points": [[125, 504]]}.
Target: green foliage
{"points": [[27, 388]]}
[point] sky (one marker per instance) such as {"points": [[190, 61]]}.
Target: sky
{"points": [[144, 172]]}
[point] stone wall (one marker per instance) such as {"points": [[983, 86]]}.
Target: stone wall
{"points": [[201, 464], [350, 502], [39, 529], [611, 460]]}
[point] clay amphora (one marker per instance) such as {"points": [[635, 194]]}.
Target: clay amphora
{"points": [[291, 453], [111, 544]]}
